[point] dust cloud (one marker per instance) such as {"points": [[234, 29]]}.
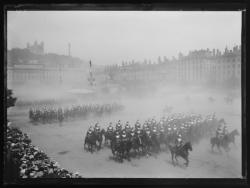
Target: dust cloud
{"points": [[64, 143]]}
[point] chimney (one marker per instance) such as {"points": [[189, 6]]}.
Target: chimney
{"points": [[69, 48]]}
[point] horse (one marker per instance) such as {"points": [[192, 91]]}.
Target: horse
{"points": [[99, 138], [136, 143], [182, 152], [90, 142], [147, 142], [108, 137], [231, 136], [126, 146], [155, 143], [220, 142], [117, 149], [225, 141]]}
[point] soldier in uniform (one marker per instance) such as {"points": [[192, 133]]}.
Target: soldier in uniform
{"points": [[91, 128], [90, 131], [97, 128], [219, 132], [137, 125], [225, 131], [110, 128], [127, 128], [179, 142], [124, 139], [118, 126], [117, 137]]}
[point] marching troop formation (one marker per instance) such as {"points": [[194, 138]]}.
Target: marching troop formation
{"points": [[47, 102], [29, 161], [52, 114], [152, 136]]}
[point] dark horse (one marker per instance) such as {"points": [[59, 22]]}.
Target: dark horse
{"points": [[90, 142], [117, 149], [99, 138], [231, 136], [182, 152], [108, 137], [225, 141]]}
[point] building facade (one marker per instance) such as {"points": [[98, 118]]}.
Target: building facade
{"points": [[199, 66]]}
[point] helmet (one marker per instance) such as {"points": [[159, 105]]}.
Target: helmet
{"points": [[118, 125], [124, 134], [132, 132]]}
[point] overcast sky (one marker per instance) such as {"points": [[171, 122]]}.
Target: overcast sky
{"points": [[109, 37]]}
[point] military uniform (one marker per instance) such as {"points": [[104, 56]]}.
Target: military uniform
{"points": [[219, 132], [179, 142]]}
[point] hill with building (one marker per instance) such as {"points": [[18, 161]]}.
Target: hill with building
{"points": [[35, 55]]}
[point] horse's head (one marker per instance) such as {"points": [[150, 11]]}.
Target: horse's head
{"points": [[188, 146], [235, 132]]}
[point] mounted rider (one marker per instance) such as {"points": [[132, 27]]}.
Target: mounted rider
{"points": [[118, 126], [91, 129], [219, 132], [137, 125], [117, 136], [110, 128], [97, 128], [138, 133], [224, 131], [124, 137], [127, 128], [179, 141], [175, 130], [131, 134]]}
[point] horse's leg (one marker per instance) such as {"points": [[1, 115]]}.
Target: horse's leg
{"points": [[91, 148], [172, 155], [100, 144], [176, 159], [218, 146], [84, 146], [187, 161], [212, 147]]}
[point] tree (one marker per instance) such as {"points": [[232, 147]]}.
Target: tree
{"points": [[10, 99]]}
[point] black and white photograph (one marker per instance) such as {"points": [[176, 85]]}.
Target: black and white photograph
{"points": [[123, 94]]}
